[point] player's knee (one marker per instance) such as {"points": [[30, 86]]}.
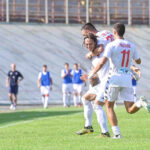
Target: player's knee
{"points": [[84, 101], [97, 107]]}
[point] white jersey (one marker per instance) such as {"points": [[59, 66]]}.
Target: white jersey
{"points": [[104, 70], [104, 37], [120, 53]]}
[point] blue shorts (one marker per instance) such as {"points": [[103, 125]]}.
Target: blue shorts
{"points": [[13, 90]]}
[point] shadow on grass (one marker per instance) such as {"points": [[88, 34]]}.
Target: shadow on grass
{"points": [[7, 118]]}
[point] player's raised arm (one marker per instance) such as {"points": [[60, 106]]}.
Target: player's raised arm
{"points": [[39, 80]]}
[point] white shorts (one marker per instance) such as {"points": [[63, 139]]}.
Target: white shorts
{"points": [[99, 90], [45, 90], [67, 88], [124, 93], [77, 88]]}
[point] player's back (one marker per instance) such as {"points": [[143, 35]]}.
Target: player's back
{"points": [[121, 56], [104, 37], [120, 53]]}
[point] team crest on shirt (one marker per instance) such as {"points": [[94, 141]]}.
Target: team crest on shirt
{"points": [[16, 73], [11, 73]]}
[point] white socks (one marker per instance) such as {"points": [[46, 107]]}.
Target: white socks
{"points": [[45, 101], [75, 100], [115, 130], [80, 99], [138, 104], [66, 99], [101, 117], [88, 112]]}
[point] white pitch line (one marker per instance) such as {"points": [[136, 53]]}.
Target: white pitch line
{"points": [[28, 121]]}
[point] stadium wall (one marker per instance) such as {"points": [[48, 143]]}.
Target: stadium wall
{"points": [[30, 46]]}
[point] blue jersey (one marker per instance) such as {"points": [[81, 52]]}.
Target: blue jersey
{"points": [[45, 79], [134, 82], [76, 77], [68, 78]]}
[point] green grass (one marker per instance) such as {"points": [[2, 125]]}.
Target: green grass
{"points": [[54, 129]]}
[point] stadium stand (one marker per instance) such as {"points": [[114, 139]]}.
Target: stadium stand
{"points": [[119, 10], [30, 46]]}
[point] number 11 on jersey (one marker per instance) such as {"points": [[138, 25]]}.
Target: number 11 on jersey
{"points": [[125, 52]]}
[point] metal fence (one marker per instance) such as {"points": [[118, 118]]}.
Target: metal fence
{"points": [[76, 11]]}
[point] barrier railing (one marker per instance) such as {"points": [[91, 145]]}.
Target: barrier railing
{"points": [[76, 11]]}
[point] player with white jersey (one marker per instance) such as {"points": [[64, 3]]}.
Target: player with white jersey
{"points": [[93, 42], [78, 85], [120, 54], [45, 84], [67, 85]]}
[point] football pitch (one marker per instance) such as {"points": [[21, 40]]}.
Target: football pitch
{"points": [[55, 129]]}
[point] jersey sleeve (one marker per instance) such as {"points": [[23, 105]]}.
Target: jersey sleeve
{"points": [[108, 51], [20, 75], [135, 54], [101, 41]]}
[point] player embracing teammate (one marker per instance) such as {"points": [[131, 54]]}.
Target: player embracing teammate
{"points": [[120, 53]]}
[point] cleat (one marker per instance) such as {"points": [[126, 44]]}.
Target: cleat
{"points": [[14, 108], [103, 135], [86, 130], [80, 105], [117, 136], [11, 106], [145, 103]]}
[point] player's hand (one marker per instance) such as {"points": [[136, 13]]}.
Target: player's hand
{"points": [[84, 77], [88, 56]]}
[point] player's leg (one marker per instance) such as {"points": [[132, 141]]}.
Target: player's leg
{"points": [[127, 95], [80, 90], [101, 116], [46, 94], [88, 113], [70, 91], [11, 100], [15, 92], [42, 94], [112, 95], [75, 95], [65, 95]]}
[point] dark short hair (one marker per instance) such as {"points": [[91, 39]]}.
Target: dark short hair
{"points": [[75, 64], [66, 64], [45, 66], [90, 36], [88, 26], [120, 28]]}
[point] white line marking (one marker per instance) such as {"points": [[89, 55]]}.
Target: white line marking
{"points": [[28, 121]]}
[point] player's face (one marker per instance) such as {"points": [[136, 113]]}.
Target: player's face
{"points": [[114, 33], [44, 69], [76, 67], [67, 67], [89, 44], [13, 67], [85, 32]]}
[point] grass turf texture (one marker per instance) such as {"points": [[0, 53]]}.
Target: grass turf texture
{"points": [[54, 129]]}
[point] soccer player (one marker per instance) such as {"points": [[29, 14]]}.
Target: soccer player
{"points": [[14, 77], [120, 54], [77, 85], [67, 85], [45, 83], [97, 92]]}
